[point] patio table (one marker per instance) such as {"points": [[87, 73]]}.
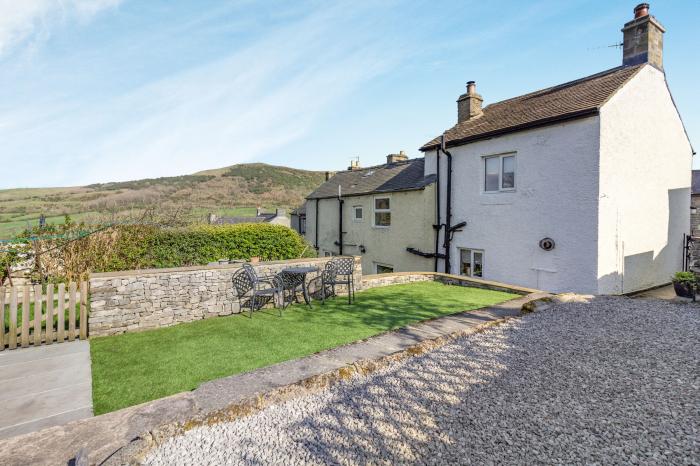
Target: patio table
{"points": [[295, 277]]}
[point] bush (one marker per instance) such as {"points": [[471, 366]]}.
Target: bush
{"points": [[687, 278], [129, 247]]}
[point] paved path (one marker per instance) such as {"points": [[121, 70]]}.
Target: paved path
{"points": [[613, 381], [44, 386]]}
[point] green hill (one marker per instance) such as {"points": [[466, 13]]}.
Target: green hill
{"points": [[234, 190]]}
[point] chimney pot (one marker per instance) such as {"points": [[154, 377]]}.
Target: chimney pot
{"points": [[471, 87], [641, 10], [354, 164]]}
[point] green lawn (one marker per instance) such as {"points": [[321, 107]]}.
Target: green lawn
{"points": [[137, 367]]}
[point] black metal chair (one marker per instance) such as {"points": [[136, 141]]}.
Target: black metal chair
{"points": [[338, 271], [255, 291]]}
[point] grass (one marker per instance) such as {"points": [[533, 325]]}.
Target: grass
{"points": [[134, 368]]}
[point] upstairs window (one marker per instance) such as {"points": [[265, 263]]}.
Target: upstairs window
{"points": [[382, 212], [499, 173]]}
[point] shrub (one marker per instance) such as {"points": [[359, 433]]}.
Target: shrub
{"points": [[139, 246]]}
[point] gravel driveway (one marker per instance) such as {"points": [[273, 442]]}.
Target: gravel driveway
{"points": [[612, 381]]}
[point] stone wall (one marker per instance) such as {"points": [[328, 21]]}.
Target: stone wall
{"points": [[374, 281], [147, 299]]}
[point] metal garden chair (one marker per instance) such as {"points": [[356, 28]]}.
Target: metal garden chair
{"points": [[338, 271], [254, 291]]}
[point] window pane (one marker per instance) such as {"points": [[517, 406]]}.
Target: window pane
{"points": [[478, 264], [382, 219], [384, 269], [465, 267], [491, 171], [382, 203], [358, 213], [508, 178]]}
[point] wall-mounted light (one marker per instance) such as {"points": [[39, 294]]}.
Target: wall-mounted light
{"points": [[362, 249]]}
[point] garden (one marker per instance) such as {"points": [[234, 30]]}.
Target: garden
{"points": [[134, 368]]}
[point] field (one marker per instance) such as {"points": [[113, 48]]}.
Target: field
{"points": [[230, 191]]}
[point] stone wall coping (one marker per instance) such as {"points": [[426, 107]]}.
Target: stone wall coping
{"points": [[196, 268], [470, 280]]}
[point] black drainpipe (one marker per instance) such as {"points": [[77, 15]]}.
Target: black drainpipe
{"points": [[340, 225], [316, 220], [448, 206], [437, 227]]}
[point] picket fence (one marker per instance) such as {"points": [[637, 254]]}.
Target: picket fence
{"points": [[32, 316]]}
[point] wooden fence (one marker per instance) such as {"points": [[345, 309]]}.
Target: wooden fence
{"points": [[42, 314]]}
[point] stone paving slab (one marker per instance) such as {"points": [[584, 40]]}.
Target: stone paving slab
{"points": [[113, 437], [44, 386]]}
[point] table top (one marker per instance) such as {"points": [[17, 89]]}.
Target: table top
{"points": [[300, 270]]}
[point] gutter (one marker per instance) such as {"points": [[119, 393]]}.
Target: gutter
{"points": [[438, 226]]}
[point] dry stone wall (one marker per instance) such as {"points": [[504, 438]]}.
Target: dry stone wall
{"points": [[142, 300]]}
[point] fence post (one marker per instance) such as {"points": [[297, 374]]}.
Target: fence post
{"points": [[71, 311], [37, 314], [83, 310], [2, 318], [12, 341], [26, 306], [49, 313], [61, 326]]}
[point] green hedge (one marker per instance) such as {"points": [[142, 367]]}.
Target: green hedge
{"points": [[144, 247]]}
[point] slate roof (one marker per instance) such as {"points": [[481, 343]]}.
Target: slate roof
{"points": [[574, 99], [401, 176], [695, 184]]}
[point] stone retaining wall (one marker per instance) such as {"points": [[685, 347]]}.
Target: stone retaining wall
{"points": [[374, 281], [146, 299]]}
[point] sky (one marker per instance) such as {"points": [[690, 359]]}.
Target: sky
{"points": [[111, 90]]}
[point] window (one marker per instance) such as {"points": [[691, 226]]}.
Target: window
{"points": [[471, 262], [499, 173], [382, 212], [383, 268], [357, 213], [302, 225]]}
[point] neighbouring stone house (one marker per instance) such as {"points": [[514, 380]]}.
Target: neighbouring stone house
{"points": [[583, 186], [278, 217], [695, 204], [385, 214], [298, 219]]}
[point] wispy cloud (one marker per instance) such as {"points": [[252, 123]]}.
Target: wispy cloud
{"points": [[251, 102], [24, 21]]}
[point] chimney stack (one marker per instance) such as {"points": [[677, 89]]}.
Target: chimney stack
{"points": [[643, 40], [329, 175], [354, 164], [395, 158], [469, 104]]}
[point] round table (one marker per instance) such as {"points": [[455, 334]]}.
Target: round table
{"points": [[297, 276]]}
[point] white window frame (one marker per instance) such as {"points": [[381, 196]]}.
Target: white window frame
{"points": [[379, 264], [354, 213], [471, 261], [376, 211], [500, 157]]}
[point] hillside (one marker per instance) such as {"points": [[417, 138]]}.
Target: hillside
{"points": [[234, 190]]}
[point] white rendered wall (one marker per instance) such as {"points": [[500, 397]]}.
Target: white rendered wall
{"points": [[556, 196], [412, 217], [644, 186]]}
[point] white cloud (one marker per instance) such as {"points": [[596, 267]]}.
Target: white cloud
{"points": [[23, 21]]}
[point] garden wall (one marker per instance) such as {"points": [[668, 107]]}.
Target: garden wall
{"points": [[374, 281], [146, 299]]}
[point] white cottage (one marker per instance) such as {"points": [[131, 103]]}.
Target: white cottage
{"points": [[584, 186]]}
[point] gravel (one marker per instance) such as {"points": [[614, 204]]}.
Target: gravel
{"points": [[611, 381]]}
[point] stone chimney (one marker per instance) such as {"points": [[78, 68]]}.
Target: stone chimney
{"points": [[329, 175], [643, 39], [395, 158], [280, 212], [211, 218], [469, 104], [354, 164], [258, 211]]}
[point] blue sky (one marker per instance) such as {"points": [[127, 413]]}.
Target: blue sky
{"points": [[108, 90]]}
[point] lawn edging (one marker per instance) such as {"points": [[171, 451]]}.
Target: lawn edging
{"points": [[126, 435]]}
